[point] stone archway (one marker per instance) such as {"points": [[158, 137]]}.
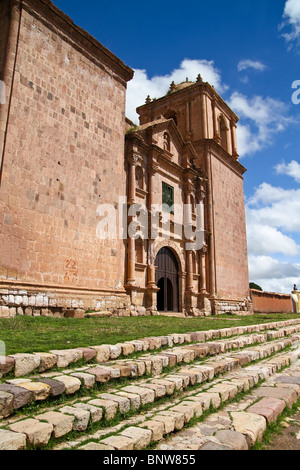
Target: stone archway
{"points": [[167, 280]]}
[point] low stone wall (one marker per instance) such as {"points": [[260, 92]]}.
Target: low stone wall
{"points": [[271, 302], [234, 307]]}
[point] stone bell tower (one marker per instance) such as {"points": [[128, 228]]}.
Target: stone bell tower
{"points": [[207, 123]]}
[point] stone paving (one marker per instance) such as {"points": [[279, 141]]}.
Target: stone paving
{"points": [[198, 391]]}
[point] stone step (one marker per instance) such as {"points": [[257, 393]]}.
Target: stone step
{"points": [[22, 364], [17, 393], [77, 416]]}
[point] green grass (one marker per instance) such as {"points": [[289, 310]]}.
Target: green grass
{"points": [[41, 334]]}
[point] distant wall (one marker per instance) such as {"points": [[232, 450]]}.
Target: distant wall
{"points": [[270, 302]]}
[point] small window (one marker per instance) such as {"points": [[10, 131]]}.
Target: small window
{"points": [[168, 197]]}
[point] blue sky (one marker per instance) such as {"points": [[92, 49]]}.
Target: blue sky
{"points": [[250, 51]]}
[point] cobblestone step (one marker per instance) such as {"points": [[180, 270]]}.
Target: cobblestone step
{"points": [[21, 365], [16, 393], [171, 397]]}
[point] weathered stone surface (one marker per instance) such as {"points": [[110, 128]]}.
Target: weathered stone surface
{"points": [[72, 384], [47, 361], [226, 391], [141, 437], [21, 396], [25, 363], [101, 374], [87, 379], [135, 400], [88, 353], [169, 386], [110, 407], [147, 395], [119, 442], [37, 433], [253, 426], [102, 352], [127, 349], [7, 364], [167, 420], [287, 394], [270, 408], [116, 351], [235, 440], [179, 418], [95, 446], [96, 413], [186, 408], [211, 445], [56, 387], [12, 440], [156, 427], [159, 389], [40, 390], [82, 417], [62, 424], [286, 379], [6, 404], [123, 402], [67, 356]]}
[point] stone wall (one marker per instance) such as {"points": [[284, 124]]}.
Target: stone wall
{"points": [[270, 302], [64, 157]]}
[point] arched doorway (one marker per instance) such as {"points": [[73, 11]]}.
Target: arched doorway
{"points": [[167, 281]]}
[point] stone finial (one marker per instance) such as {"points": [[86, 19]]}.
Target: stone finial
{"points": [[148, 99], [199, 79], [172, 86]]}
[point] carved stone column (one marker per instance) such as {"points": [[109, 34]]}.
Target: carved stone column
{"points": [[234, 140], [217, 137]]}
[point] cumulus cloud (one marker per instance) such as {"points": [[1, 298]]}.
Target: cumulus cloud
{"points": [[261, 118], [273, 275], [141, 85], [291, 169], [251, 64], [264, 240], [291, 20]]}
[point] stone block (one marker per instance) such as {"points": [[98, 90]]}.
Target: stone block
{"points": [[87, 379], [25, 363], [72, 384], [47, 361], [147, 395], [56, 387], [167, 420], [288, 395], [159, 389], [102, 374], [177, 415], [37, 433], [156, 428], [40, 390], [62, 424], [21, 396], [96, 413], [115, 351], [135, 400], [12, 440], [94, 446], [88, 353], [119, 442], [7, 364], [6, 404], [253, 426], [169, 386], [102, 352], [270, 408], [109, 407], [82, 417], [141, 437], [123, 402], [67, 356], [235, 440]]}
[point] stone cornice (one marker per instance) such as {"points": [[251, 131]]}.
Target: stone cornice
{"points": [[45, 10]]}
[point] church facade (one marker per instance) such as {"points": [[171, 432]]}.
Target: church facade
{"points": [[96, 213]]}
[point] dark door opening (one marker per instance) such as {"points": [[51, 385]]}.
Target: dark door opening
{"points": [[167, 281]]}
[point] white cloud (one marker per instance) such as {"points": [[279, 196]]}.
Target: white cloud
{"points": [[141, 85], [291, 169], [251, 64], [261, 118], [264, 240], [273, 275], [291, 17]]}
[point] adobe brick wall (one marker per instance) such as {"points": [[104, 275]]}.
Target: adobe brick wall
{"points": [[64, 156], [270, 302]]}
